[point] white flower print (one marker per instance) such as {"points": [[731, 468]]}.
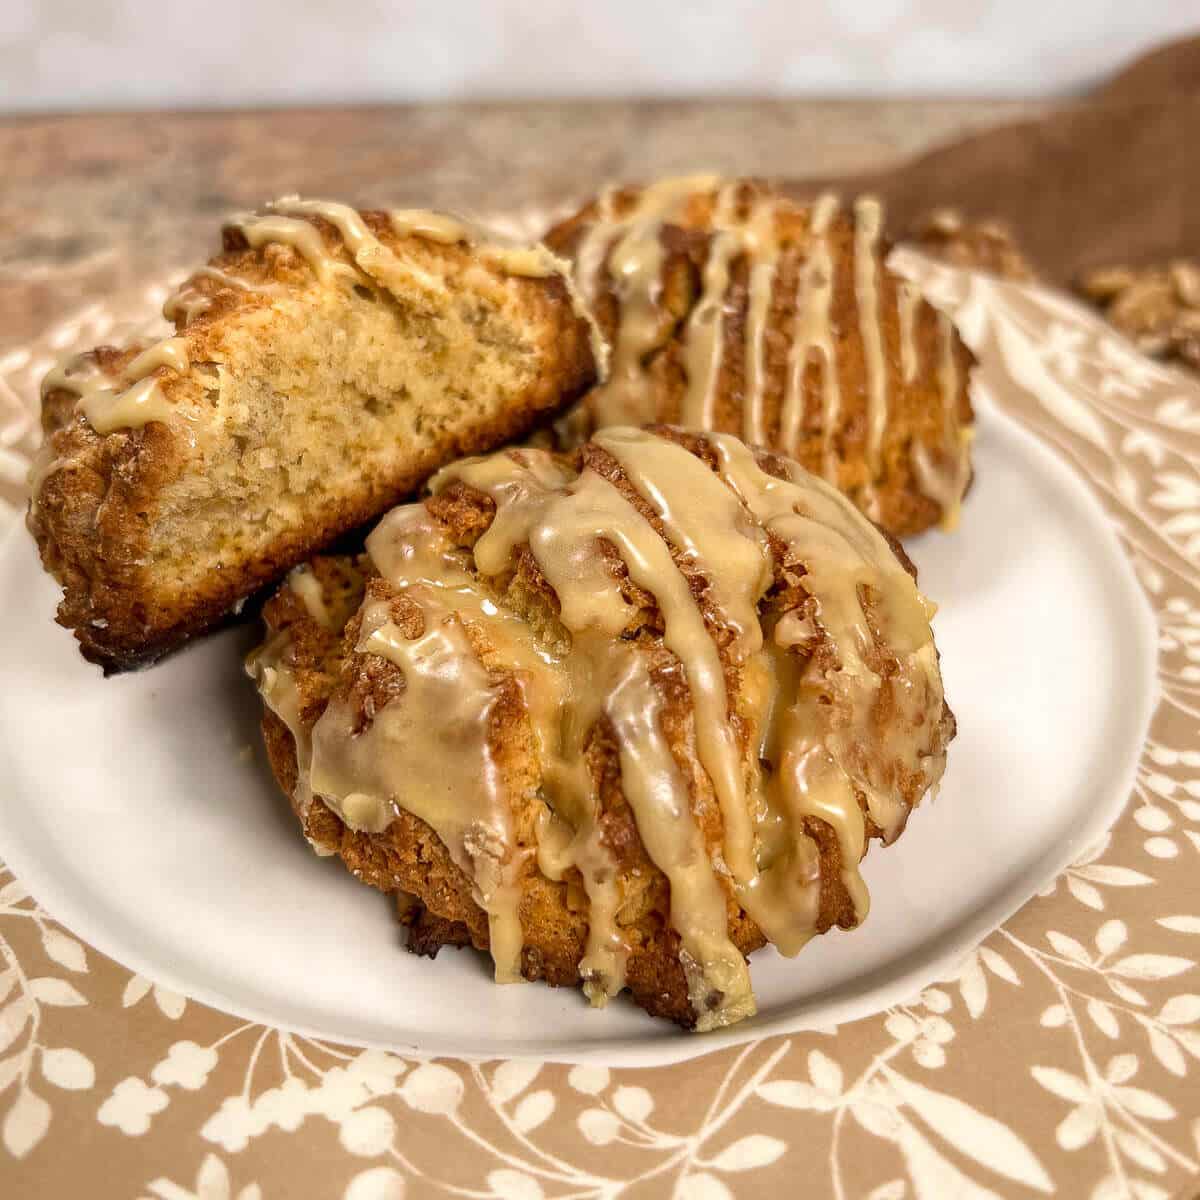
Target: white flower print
{"points": [[170, 1004], [380, 1183], [186, 1065], [26, 1002], [212, 1183], [131, 1106], [1106, 967]]}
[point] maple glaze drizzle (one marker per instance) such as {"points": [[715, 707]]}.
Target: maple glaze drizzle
{"points": [[908, 298], [286, 223], [814, 333], [703, 347], [628, 247], [308, 588], [868, 220], [812, 751], [187, 302], [943, 475], [624, 244], [134, 398], [445, 714], [274, 676], [761, 245], [127, 399]]}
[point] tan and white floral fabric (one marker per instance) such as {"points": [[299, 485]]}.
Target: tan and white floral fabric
{"points": [[1061, 1058]]}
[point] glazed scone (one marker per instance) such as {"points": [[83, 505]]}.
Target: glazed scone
{"points": [[322, 367], [620, 718], [730, 307]]}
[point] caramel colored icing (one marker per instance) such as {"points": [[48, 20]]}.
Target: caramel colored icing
{"points": [[187, 302], [272, 673], [703, 347], [623, 248], [307, 586], [908, 297], [628, 248], [135, 398], [868, 220], [944, 477], [288, 221], [444, 719], [784, 706], [127, 400], [534, 261], [814, 336]]}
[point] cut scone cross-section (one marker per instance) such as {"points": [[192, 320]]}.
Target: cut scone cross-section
{"points": [[322, 366]]}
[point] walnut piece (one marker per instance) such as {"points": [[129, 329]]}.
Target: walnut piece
{"points": [[1156, 307], [981, 245]]}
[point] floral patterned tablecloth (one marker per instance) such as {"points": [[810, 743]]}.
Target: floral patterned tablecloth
{"points": [[1062, 1057]]}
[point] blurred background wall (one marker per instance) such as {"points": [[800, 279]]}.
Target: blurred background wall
{"points": [[70, 54]]}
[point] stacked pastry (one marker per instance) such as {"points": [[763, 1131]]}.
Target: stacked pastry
{"points": [[731, 308], [621, 713], [622, 718], [321, 367]]}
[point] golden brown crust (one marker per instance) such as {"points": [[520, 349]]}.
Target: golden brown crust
{"points": [[915, 406], [105, 500], [89, 520], [409, 858]]}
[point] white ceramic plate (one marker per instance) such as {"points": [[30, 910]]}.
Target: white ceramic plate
{"points": [[136, 817]]}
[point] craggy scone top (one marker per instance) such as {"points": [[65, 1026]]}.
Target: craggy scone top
{"points": [[321, 368], [626, 716], [730, 307]]}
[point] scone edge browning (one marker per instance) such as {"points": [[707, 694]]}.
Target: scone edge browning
{"points": [[654, 952], [731, 307], [112, 510]]}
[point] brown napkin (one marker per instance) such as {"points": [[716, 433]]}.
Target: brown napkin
{"points": [[1112, 178]]}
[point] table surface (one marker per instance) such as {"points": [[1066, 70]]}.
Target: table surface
{"points": [[121, 1088], [96, 204]]}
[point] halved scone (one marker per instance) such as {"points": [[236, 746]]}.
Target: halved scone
{"points": [[322, 366]]}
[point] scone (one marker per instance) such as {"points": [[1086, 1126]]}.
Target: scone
{"points": [[730, 307], [621, 718], [322, 366]]}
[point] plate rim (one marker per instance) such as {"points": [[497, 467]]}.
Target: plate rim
{"points": [[672, 1046]]}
